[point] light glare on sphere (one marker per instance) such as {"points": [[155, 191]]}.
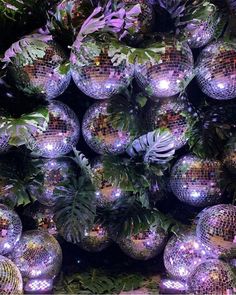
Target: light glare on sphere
{"points": [[10, 278], [168, 113], [216, 70], [196, 181], [41, 76], [99, 77], [212, 277], [166, 77], [99, 133], [183, 253], [62, 132], [144, 245], [216, 228], [38, 255], [10, 229], [95, 240]]}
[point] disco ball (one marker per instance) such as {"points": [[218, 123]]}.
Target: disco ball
{"points": [[95, 240], [54, 173], [169, 113], [144, 245], [183, 253], [107, 193], [40, 74], [37, 255], [167, 76], [229, 156], [61, 134], [216, 70], [97, 76], [216, 228], [10, 229], [10, 278], [99, 133], [196, 181], [211, 277], [43, 218]]}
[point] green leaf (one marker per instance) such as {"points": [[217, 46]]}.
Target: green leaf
{"points": [[83, 163], [64, 68]]}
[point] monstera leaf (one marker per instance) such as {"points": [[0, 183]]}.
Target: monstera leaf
{"points": [[156, 147]]}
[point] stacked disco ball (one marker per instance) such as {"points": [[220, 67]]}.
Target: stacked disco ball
{"points": [[196, 181], [99, 133], [216, 70], [41, 73], [61, 134]]}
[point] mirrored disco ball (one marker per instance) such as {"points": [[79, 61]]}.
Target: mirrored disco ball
{"points": [[216, 228], [168, 76], [229, 156], [168, 113], [107, 193], [97, 76], [42, 75], [10, 278], [216, 70], [10, 229], [212, 277], [95, 240], [4, 145], [37, 255], [145, 245], [54, 172], [99, 133], [196, 181], [62, 132], [183, 253]]}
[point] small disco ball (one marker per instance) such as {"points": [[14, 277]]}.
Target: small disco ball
{"points": [[10, 229], [229, 157], [168, 76], [97, 76], [168, 113], [40, 74], [196, 181], [11, 282], [144, 245], [99, 133], [216, 228], [62, 132], [43, 218], [107, 193], [216, 70], [211, 277], [38, 255], [54, 172], [95, 240], [183, 253]]}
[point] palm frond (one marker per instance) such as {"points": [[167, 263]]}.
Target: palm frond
{"points": [[83, 163]]}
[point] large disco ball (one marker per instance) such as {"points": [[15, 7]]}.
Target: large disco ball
{"points": [[211, 277], [10, 229], [183, 253], [38, 255], [107, 193], [196, 181], [95, 73], [99, 133], [95, 240], [169, 113], [61, 134], [11, 282], [144, 245], [229, 156], [216, 228], [38, 68], [216, 70], [54, 172], [169, 75]]}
